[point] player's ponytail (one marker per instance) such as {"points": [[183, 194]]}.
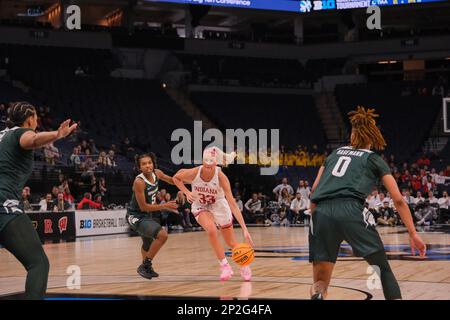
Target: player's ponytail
{"points": [[18, 113], [218, 156], [364, 129]]}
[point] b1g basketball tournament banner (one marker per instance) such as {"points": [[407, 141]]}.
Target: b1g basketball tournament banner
{"points": [[54, 224], [91, 222]]}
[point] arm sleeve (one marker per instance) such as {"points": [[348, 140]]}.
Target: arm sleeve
{"points": [[247, 203]]}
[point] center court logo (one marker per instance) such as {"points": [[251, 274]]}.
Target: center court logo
{"points": [[258, 150]]}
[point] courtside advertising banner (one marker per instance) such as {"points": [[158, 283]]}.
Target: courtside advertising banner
{"points": [[92, 222]]}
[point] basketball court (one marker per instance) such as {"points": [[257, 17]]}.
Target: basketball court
{"points": [[188, 268]]}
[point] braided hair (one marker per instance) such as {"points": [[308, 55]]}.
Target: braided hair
{"points": [[18, 113], [364, 129]]}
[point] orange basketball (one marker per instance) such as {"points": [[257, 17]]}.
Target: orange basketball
{"points": [[243, 254]]}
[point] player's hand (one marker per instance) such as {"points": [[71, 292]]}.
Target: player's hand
{"points": [[65, 129], [417, 243], [248, 237], [190, 197], [171, 205]]}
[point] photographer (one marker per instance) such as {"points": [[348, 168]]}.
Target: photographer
{"points": [[424, 213], [387, 216]]}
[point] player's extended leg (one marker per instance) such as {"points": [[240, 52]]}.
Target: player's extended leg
{"points": [[321, 276], [153, 238], [230, 240], [391, 289], [21, 239], [206, 220]]}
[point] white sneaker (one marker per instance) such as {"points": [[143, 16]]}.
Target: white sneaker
{"points": [[226, 272]]}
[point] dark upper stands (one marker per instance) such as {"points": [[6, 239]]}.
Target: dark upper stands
{"points": [[294, 115], [405, 120]]}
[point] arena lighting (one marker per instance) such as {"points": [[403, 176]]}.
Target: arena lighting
{"points": [[164, 85], [387, 62]]}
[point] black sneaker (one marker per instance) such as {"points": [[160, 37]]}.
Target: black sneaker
{"points": [[317, 296], [150, 270], [146, 270], [143, 271]]}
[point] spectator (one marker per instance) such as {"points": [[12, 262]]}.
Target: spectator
{"points": [[99, 201], [408, 198], [102, 161], [284, 185], [127, 149], [89, 162], [429, 184], [423, 161], [93, 147], [25, 203], [424, 213], [419, 199], [304, 190], [75, 157], [239, 202], [84, 146], [433, 200], [93, 185], [298, 207], [61, 205], [438, 90], [386, 215], [111, 159], [444, 206], [102, 189], [285, 205], [440, 180], [86, 203], [51, 153], [405, 178], [47, 203], [184, 209], [416, 183], [69, 198], [252, 208]]}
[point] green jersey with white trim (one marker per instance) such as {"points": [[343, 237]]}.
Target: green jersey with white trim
{"points": [[151, 189], [350, 173], [16, 165]]}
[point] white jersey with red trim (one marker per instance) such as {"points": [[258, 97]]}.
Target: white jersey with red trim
{"points": [[211, 197], [209, 192]]}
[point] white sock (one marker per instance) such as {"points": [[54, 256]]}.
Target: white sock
{"points": [[223, 262]]}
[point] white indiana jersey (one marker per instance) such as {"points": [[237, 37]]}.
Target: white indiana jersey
{"points": [[207, 193]]}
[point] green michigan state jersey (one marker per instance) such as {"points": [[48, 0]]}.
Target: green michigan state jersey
{"points": [[350, 173], [16, 165], [151, 189]]}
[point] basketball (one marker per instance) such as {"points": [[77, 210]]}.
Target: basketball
{"points": [[243, 254]]}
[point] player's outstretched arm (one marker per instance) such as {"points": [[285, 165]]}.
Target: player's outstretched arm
{"points": [[225, 184], [185, 176], [164, 177], [31, 140], [405, 214], [139, 192]]}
